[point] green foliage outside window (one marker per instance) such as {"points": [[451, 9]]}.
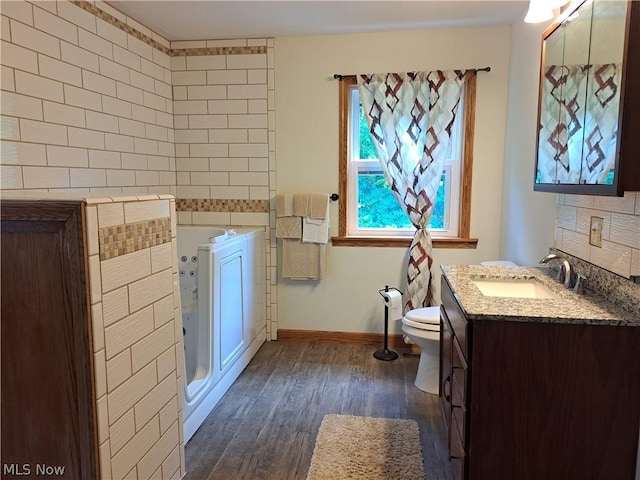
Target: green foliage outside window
{"points": [[377, 206]]}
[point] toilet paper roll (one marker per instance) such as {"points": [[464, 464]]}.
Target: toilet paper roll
{"points": [[393, 300]]}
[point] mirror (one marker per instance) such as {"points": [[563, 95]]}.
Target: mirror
{"points": [[580, 85]]}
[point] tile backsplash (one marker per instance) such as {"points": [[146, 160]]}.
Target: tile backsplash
{"points": [[620, 251]]}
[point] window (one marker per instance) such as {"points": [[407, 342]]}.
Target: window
{"points": [[369, 212]]}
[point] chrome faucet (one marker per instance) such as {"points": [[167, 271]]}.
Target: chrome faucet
{"points": [[565, 268]]}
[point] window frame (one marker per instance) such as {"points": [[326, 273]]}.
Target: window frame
{"points": [[463, 240]]}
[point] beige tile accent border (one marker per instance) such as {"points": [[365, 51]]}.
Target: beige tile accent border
{"points": [[122, 239], [221, 205], [110, 19], [182, 52]]}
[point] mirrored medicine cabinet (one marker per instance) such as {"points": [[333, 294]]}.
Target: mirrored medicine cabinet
{"points": [[588, 139]]}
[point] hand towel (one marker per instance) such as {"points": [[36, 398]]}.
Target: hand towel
{"points": [[302, 261], [315, 230], [318, 206], [284, 205], [289, 227], [301, 203]]}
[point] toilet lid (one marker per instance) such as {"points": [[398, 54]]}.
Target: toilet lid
{"points": [[428, 315]]}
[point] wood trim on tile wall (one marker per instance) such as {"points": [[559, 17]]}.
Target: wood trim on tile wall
{"points": [[463, 240], [345, 338]]}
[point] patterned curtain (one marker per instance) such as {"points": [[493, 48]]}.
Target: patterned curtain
{"points": [[578, 123], [410, 116]]}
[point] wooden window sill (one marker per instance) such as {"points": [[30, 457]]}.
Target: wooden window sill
{"points": [[401, 242]]}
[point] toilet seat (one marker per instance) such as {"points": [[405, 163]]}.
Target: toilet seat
{"points": [[427, 318]]}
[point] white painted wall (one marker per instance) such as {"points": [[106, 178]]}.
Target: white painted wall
{"points": [[528, 217], [307, 159]]}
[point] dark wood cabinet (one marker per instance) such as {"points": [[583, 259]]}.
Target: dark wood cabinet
{"points": [[48, 404], [539, 401]]}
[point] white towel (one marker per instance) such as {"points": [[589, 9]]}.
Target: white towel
{"points": [[315, 230]]}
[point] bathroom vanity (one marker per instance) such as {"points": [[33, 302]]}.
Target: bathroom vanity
{"points": [[546, 387]]}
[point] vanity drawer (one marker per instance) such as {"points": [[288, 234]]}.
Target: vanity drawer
{"points": [[456, 317]]}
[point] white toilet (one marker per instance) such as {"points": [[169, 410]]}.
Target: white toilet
{"points": [[422, 326]]}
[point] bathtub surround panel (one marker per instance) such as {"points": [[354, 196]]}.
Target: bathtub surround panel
{"points": [[224, 117], [89, 105], [138, 353]]}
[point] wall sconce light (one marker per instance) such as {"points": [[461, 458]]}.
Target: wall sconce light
{"points": [[542, 10]]}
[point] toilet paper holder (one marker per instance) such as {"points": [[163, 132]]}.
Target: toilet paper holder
{"points": [[385, 353]]}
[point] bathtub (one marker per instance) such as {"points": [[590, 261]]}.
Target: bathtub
{"points": [[222, 293]]}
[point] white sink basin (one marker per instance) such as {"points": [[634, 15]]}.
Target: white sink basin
{"points": [[513, 287]]}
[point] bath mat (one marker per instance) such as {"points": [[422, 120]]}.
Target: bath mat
{"points": [[366, 448]]}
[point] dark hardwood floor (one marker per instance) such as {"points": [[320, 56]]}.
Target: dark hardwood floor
{"points": [[266, 424]]}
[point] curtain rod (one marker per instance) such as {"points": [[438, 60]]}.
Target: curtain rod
{"points": [[337, 76]]}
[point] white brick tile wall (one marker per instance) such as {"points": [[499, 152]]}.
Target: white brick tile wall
{"points": [[118, 369], [111, 33], [78, 56], [18, 57], [82, 98], [10, 128], [23, 106], [7, 79], [115, 305], [158, 452], [100, 121], [67, 156], [134, 161], [33, 39], [101, 158], [23, 153], [80, 137], [95, 44], [11, 177], [207, 62], [121, 143], [87, 177], [120, 178], [189, 78], [55, 25], [152, 69], [226, 77], [121, 335], [151, 347], [64, 114], [122, 431], [207, 92], [150, 289], [57, 70], [246, 61], [37, 86], [141, 48], [41, 132], [21, 11], [126, 58], [77, 16], [227, 106]]}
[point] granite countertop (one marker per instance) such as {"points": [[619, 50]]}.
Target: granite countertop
{"points": [[565, 307]]}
